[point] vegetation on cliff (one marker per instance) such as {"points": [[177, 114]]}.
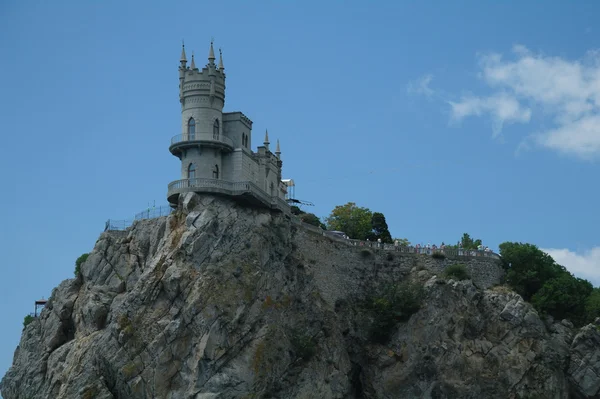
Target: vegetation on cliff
{"points": [[552, 289]]}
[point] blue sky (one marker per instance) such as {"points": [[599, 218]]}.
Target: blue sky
{"points": [[448, 117]]}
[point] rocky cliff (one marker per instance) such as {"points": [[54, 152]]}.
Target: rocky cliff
{"points": [[219, 300]]}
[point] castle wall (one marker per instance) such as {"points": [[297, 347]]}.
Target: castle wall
{"points": [[204, 159], [204, 117]]}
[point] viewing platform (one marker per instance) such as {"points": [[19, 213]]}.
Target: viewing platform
{"points": [[244, 190], [185, 140]]}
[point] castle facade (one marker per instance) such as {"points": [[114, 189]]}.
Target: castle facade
{"points": [[215, 147]]}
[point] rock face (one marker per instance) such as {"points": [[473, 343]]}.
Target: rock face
{"points": [[219, 300]]}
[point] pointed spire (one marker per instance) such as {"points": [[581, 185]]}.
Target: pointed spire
{"points": [[266, 143], [211, 53], [221, 67], [193, 65], [278, 149], [183, 59]]}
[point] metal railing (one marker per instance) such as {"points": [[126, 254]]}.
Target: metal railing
{"points": [[150, 213], [154, 212], [210, 137], [451, 252]]}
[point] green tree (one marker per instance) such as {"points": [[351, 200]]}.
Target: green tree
{"points": [[312, 219], [296, 210], [468, 243], [529, 268], [79, 262], [564, 297], [380, 228], [592, 305], [403, 242], [353, 220], [28, 319]]}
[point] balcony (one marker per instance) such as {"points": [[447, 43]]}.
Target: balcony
{"points": [[182, 141], [244, 189]]}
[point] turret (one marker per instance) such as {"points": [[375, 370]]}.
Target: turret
{"points": [[266, 142], [202, 96]]}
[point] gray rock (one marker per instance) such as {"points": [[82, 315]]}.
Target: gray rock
{"points": [[221, 300]]}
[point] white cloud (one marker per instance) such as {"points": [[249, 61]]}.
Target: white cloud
{"points": [[584, 265], [421, 86], [568, 91], [503, 108]]}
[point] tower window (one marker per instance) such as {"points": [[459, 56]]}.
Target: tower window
{"points": [[216, 172], [216, 129], [191, 171], [192, 129]]}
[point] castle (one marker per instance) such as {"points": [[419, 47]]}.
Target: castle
{"points": [[215, 147]]}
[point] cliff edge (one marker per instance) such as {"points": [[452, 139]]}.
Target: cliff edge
{"points": [[219, 300]]}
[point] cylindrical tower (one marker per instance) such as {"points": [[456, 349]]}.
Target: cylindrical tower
{"points": [[202, 142]]}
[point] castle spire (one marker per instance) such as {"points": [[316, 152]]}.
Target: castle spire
{"points": [[183, 60], [193, 65], [211, 54], [278, 150], [266, 143], [221, 67]]}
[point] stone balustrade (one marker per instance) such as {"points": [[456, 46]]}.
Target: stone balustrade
{"points": [[188, 138], [220, 186]]}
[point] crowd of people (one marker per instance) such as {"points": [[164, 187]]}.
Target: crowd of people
{"points": [[427, 249]]}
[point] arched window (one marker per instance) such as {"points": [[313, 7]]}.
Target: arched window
{"points": [[243, 139], [191, 171], [216, 172], [216, 129], [191, 129]]}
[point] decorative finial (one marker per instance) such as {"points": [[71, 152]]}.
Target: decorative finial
{"points": [[221, 67], [183, 59], [193, 65], [211, 53], [266, 136], [277, 149]]}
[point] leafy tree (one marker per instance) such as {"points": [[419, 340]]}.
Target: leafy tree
{"points": [[79, 262], [529, 268], [295, 210], [592, 305], [353, 220], [311, 219], [380, 228], [403, 242], [564, 297], [468, 243], [28, 319]]}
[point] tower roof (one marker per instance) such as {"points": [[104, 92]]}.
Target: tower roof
{"points": [[221, 67], [193, 65], [211, 53], [183, 59], [266, 136], [277, 149]]}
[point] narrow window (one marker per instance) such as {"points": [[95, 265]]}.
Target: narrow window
{"points": [[216, 129], [191, 171], [216, 172], [191, 129]]}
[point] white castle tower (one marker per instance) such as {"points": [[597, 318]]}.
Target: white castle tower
{"points": [[215, 146]]}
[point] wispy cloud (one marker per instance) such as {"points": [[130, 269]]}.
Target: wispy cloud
{"points": [[421, 86], [584, 265], [567, 91], [502, 107]]}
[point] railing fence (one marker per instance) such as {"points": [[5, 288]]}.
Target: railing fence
{"points": [[150, 213]]}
